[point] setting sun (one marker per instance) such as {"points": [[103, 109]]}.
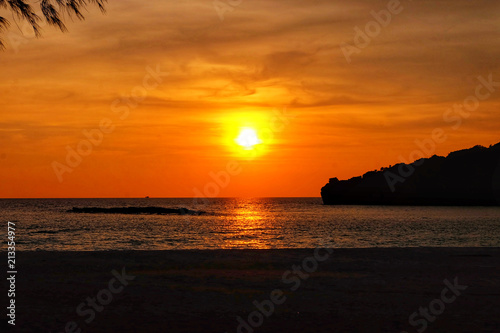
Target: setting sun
{"points": [[248, 138]]}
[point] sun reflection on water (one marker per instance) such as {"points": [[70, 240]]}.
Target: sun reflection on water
{"points": [[249, 226]]}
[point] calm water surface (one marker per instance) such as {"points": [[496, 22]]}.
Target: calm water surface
{"points": [[44, 224]]}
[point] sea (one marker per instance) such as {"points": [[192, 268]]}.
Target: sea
{"points": [[236, 223]]}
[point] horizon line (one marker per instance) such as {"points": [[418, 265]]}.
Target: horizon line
{"points": [[280, 197]]}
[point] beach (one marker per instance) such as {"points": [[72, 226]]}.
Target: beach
{"points": [[285, 290]]}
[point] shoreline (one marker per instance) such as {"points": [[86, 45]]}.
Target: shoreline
{"points": [[242, 250], [273, 249]]}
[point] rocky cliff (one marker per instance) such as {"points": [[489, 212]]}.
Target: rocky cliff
{"points": [[464, 177]]}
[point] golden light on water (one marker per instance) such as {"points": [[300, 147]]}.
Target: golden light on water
{"points": [[251, 227]]}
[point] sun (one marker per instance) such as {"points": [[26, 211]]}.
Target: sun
{"points": [[247, 138]]}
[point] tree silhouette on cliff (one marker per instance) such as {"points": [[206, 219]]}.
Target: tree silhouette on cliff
{"points": [[465, 177]]}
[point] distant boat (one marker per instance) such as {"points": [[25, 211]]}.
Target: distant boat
{"points": [[147, 196]]}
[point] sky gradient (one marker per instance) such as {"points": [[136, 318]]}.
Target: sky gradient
{"points": [[274, 66]]}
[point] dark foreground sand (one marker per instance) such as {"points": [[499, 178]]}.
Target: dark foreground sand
{"points": [[355, 290]]}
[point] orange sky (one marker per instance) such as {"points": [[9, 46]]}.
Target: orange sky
{"points": [[264, 58]]}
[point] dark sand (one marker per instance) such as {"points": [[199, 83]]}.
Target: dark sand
{"points": [[355, 290]]}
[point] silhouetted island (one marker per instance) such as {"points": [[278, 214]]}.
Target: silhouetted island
{"points": [[135, 210], [469, 177]]}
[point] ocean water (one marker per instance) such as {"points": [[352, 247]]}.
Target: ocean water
{"points": [[260, 223]]}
